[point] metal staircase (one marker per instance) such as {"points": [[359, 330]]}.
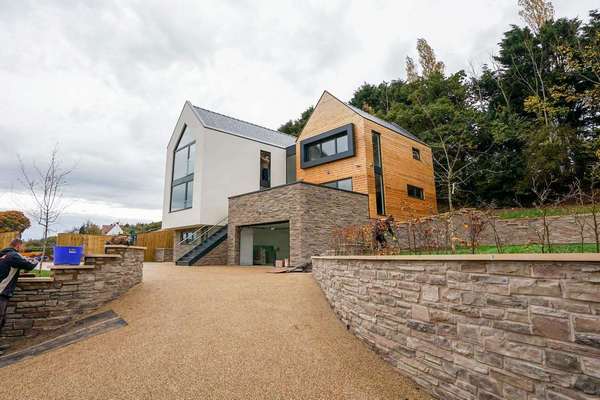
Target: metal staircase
{"points": [[201, 242]]}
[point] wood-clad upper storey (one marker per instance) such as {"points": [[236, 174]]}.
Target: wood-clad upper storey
{"points": [[399, 167]]}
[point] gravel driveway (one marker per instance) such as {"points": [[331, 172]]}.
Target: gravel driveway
{"points": [[214, 333]]}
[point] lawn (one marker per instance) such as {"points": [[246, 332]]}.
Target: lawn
{"points": [[42, 273], [516, 249], [551, 211], [533, 248]]}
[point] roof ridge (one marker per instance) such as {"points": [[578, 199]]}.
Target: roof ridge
{"points": [[246, 122]]}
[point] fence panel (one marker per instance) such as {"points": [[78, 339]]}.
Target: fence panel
{"points": [[92, 244], [155, 240], [6, 237]]}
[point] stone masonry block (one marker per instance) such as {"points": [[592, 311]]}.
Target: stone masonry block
{"points": [[537, 287]]}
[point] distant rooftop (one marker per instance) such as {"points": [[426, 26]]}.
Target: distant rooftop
{"points": [[235, 126]]}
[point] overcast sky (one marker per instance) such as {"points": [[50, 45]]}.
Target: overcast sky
{"points": [[106, 80]]}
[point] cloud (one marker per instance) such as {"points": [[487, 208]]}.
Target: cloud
{"points": [[107, 80]]}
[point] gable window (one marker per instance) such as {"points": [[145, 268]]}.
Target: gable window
{"points": [[378, 169], [344, 184], [265, 169], [415, 192], [183, 172], [329, 146], [416, 154]]}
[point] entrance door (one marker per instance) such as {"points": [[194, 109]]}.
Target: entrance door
{"points": [[263, 255], [264, 244]]}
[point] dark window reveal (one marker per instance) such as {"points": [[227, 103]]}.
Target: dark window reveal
{"points": [[415, 192], [344, 184], [378, 169], [265, 169], [327, 147], [416, 153], [183, 172]]}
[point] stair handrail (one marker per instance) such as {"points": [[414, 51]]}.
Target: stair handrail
{"points": [[200, 235]]}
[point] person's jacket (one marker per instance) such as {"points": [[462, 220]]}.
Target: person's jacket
{"points": [[11, 262]]}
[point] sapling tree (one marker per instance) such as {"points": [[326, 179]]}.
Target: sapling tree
{"points": [[542, 189], [45, 187], [489, 211], [580, 219]]}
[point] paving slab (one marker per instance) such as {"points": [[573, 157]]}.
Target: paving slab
{"points": [[214, 333]]}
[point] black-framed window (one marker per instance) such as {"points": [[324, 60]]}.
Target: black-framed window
{"points": [[378, 169], [344, 184], [182, 185], [415, 192], [416, 154], [265, 169], [329, 146]]}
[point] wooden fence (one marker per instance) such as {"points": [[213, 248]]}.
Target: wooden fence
{"points": [[154, 240], [6, 237], [92, 244]]}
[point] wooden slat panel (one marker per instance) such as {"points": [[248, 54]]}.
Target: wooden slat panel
{"points": [[92, 244], [155, 240]]}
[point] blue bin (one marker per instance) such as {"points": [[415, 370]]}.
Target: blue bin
{"points": [[67, 255]]}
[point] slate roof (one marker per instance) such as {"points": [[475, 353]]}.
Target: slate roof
{"points": [[234, 126], [390, 125]]}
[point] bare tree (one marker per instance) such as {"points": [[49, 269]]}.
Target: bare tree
{"points": [[579, 217], [536, 13], [45, 187], [542, 189], [427, 59]]}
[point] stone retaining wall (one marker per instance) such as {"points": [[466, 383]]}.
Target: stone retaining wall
{"points": [[564, 229], [44, 304], [518, 327]]}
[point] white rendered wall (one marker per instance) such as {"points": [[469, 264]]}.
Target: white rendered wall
{"points": [[226, 165], [231, 166], [191, 216]]}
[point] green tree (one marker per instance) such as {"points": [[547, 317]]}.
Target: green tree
{"points": [[294, 127], [88, 228]]}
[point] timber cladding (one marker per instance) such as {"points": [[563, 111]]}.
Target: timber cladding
{"points": [[399, 167]]}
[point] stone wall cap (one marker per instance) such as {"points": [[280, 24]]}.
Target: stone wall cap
{"points": [[580, 257], [122, 246], [36, 279], [297, 183], [63, 267], [103, 256]]}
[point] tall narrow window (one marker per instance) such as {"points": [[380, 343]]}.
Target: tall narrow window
{"points": [[265, 169], [182, 186], [378, 169]]}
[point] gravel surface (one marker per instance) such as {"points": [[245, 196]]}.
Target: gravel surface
{"points": [[214, 333]]}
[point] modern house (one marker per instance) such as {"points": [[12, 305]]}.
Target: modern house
{"points": [[239, 193]]}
